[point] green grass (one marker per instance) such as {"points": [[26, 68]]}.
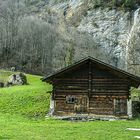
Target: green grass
{"points": [[22, 117], [29, 100], [18, 128], [135, 92]]}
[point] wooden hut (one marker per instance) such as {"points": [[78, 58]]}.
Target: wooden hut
{"points": [[92, 87]]}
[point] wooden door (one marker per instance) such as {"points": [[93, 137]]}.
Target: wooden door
{"points": [[81, 105], [120, 106]]}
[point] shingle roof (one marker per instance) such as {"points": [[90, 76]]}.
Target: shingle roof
{"points": [[68, 68]]}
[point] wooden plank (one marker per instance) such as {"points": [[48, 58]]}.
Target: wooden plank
{"points": [[109, 91], [62, 106], [73, 79], [112, 94], [71, 88], [72, 83], [70, 91], [108, 79], [105, 112], [95, 108], [105, 96], [109, 84], [89, 79]]}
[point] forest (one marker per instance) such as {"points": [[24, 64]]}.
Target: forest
{"points": [[36, 40]]}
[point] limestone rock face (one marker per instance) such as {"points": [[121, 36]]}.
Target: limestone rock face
{"points": [[112, 28], [109, 27], [17, 79]]}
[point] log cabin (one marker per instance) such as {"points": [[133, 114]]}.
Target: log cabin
{"points": [[93, 88]]}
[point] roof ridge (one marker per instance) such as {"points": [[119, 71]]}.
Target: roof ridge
{"points": [[129, 75]]}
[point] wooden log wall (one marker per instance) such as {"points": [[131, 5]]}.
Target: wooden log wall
{"points": [[101, 106], [105, 89], [65, 87], [107, 83], [71, 87], [109, 86], [108, 105], [98, 87], [75, 83]]}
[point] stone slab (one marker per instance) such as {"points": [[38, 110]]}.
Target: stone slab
{"points": [[134, 129], [138, 137]]}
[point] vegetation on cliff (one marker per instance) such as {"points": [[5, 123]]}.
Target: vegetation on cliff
{"points": [[42, 36]]}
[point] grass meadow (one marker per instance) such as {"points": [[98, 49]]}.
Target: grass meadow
{"points": [[23, 110]]}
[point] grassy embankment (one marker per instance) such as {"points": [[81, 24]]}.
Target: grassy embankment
{"points": [[30, 100], [22, 111]]}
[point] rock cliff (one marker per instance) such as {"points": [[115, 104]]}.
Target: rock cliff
{"points": [[115, 29]]}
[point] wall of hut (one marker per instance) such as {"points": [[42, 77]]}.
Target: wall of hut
{"points": [[90, 88]]}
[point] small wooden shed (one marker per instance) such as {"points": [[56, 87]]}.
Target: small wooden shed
{"points": [[92, 87]]}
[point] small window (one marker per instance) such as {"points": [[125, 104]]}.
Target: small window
{"points": [[70, 99]]}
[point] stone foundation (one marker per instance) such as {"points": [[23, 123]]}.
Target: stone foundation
{"points": [[89, 117]]}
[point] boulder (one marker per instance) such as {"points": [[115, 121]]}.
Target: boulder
{"points": [[17, 79], [13, 68]]}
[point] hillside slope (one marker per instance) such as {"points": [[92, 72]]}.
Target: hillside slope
{"points": [[29, 100], [22, 111]]}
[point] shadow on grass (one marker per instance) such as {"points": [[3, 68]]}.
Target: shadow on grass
{"points": [[4, 138]]}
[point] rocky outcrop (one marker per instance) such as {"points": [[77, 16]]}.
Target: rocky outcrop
{"points": [[17, 79], [111, 27]]}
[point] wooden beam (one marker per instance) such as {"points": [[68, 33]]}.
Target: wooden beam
{"points": [[89, 79]]}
